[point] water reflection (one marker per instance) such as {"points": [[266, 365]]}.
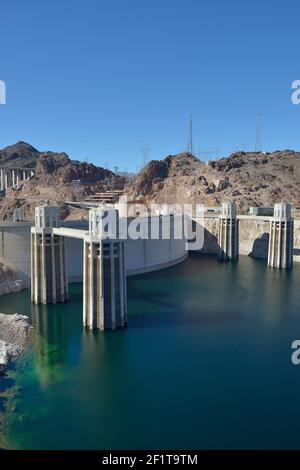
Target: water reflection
{"points": [[51, 338]]}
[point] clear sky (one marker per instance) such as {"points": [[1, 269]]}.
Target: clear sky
{"points": [[100, 79]]}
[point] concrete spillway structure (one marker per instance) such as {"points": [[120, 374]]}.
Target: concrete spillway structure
{"points": [[104, 275], [281, 241], [49, 283], [228, 236]]}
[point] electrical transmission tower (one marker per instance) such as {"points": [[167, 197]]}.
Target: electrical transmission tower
{"points": [[190, 146], [258, 133], [145, 151]]}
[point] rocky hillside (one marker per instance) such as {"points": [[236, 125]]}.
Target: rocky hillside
{"points": [[249, 179], [10, 281], [20, 154], [58, 178], [14, 335]]}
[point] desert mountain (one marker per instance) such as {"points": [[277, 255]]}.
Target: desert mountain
{"points": [[248, 178], [20, 154], [58, 178]]}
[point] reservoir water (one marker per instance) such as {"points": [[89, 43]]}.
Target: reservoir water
{"points": [[204, 363]]}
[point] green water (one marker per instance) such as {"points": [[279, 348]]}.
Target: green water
{"points": [[204, 363]]}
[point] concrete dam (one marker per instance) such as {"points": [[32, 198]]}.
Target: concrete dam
{"points": [[141, 255], [254, 232], [111, 248]]}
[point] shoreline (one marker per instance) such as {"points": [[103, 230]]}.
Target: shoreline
{"points": [[12, 281], [15, 334]]}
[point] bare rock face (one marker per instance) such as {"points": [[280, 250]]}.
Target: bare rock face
{"points": [[14, 334], [222, 184], [155, 177], [248, 178], [58, 178], [85, 172], [50, 161], [10, 281], [20, 154], [3, 356], [153, 173]]}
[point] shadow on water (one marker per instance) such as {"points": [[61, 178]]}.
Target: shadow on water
{"points": [[169, 320], [174, 316], [151, 306]]}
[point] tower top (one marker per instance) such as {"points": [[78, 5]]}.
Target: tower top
{"points": [[104, 222], [47, 216], [229, 209], [282, 211]]}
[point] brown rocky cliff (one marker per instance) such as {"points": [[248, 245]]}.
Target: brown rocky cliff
{"points": [[19, 154], [58, 178], [249, 179]]}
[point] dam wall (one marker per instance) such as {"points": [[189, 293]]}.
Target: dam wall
{"points": [[253, 235], [15, 248], [141, 256]]}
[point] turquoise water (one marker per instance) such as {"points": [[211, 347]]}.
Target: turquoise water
{"points": [[204, 363]]}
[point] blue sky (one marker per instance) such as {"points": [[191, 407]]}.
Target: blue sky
{"points": [[100, 79]]}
